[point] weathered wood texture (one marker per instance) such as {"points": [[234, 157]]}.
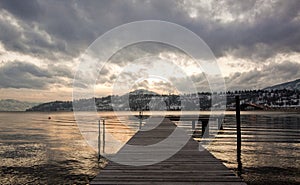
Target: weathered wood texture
{"points": [[187, 166]]}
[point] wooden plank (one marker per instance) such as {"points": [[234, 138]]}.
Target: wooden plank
{"points": [[172, 183], [187, 166]]}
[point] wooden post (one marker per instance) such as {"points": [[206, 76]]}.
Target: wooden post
{"points": [[205, 127], [140, 124], [103, 134], [220, 123], [140, 120], [193, 124], [238, 134], [99, 141]]}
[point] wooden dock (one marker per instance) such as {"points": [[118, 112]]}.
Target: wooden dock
{"points": [[187, 166]]}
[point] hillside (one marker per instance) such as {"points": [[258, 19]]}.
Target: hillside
{"points": [[292, 85], [142, 92], [15, 105], [52, 106], [137, 99], [147, 100]]}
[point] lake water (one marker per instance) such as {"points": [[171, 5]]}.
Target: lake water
{"points": [[38, 150]]}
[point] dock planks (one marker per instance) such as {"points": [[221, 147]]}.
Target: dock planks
{"points": [[187, 166]]}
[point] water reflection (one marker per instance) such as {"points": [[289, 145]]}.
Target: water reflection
{"points": [[270, 148], [35, 150]]}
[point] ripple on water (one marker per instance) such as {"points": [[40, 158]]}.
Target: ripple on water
{"points": [[35, 150]]}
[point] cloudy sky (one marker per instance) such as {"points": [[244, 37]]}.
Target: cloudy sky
{"points": [[256, 43]]}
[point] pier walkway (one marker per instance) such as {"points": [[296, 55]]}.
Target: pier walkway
{"points": [[187, 166]]}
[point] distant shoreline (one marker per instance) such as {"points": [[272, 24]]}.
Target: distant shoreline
{"points": [[288, 110]]}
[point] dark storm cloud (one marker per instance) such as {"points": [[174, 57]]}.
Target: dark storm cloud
{"points": [[43, 29], [264, 23], [267, 76], [25, 75], [28, 38], [199, 82], [137, 51], [60, 71], [23, 9], [78, 23], [61, 30]]}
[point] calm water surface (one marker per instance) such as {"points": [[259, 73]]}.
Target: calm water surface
{"points": [[38, 150]]}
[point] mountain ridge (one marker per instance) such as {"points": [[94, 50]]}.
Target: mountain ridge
{"points": [[15, 105], [290, 85]]}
